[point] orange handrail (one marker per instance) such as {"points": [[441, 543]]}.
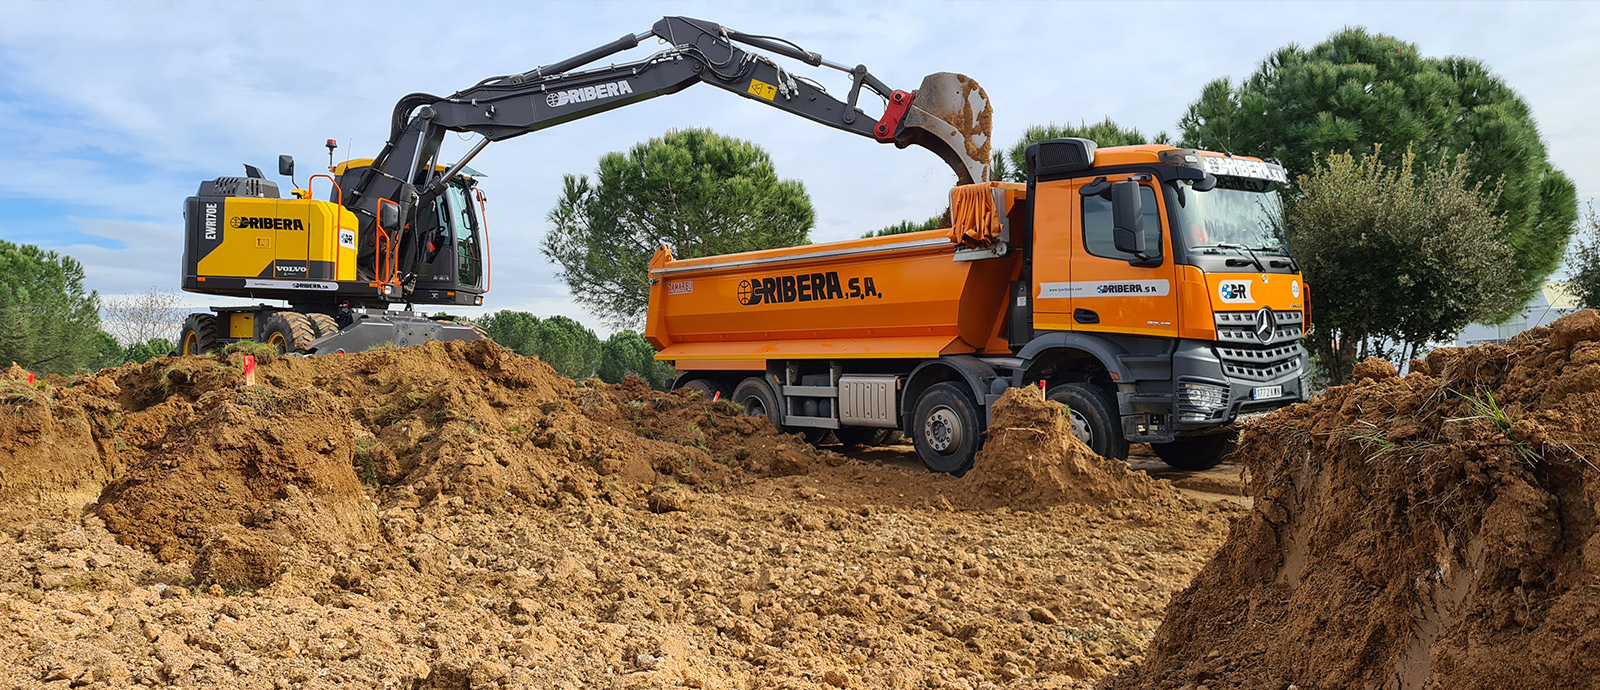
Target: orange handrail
{"points": [[309, 194], [385, 245]]}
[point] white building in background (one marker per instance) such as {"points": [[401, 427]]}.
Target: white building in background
{"points": [[1552, 302]]}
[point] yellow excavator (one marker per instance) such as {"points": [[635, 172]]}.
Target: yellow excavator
{"points": [[404, 229]]}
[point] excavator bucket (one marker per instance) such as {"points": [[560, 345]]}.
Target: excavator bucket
{"points": [[951, 117]]}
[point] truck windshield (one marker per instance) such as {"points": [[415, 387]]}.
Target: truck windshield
{"points": [[1235, 214]]}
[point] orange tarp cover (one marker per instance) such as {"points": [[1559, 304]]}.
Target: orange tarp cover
{"points": [[974, 216]]}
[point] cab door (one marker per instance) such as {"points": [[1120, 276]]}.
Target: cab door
{"points": [[1112, 291]]}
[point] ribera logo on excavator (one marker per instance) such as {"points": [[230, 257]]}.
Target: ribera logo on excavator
{"points": [[587, 93], [247, 223]]}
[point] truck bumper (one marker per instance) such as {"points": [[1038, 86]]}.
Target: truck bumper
{"points": [[1209, 389]]}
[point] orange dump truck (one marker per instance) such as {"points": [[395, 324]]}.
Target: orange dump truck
{"points": [[1145, 287]]}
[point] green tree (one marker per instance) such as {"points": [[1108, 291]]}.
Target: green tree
{"points": [[1408, 254], [147, 350], [627, 353], [569, 348], [1012, 163], [906, 226], [1584, 263], [1363, 92], [514, 330], [48, 322], [697, 192]]}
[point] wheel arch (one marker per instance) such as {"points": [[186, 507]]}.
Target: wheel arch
{"points": [[960, 368], [1080, 351]]}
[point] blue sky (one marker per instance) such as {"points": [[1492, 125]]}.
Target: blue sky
{"points": [[114, 111]]}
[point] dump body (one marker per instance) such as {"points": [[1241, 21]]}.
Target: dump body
{"points": [[885, 297], [1146, 287]]}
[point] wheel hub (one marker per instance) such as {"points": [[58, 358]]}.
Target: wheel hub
{"points": [[1081, 429], [754, 408], [943, 429]]}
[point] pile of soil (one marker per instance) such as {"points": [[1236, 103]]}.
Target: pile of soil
{"points": [[1030, 458], [1436, 530], [174, 450], [455, 515]]}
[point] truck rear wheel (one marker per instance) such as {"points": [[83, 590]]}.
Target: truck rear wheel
{"points": [[757, 400], [1095, 420], [946, 429], [289, 331], [707, 387], [1196, 453], [199, 334]]}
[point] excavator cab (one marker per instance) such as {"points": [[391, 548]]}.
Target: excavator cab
{"points": [[447, 241], [453, 263]]}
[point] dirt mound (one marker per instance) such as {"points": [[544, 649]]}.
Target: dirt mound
{"points": [[1030, 458], [177, 448], [50, 457], [1436, 530], [274, 459]]}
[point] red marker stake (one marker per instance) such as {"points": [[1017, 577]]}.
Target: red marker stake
{"points": [[249, 370], [714, 396], [30, 379]]}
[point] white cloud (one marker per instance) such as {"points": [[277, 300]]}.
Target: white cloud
{"points": [[125, 107]]}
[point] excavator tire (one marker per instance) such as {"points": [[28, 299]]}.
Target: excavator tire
{"points": [[324, 324], [289, 331], [199, 334]]}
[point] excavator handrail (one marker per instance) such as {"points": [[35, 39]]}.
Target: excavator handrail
{"points": [[386, 247], [488, 262]]}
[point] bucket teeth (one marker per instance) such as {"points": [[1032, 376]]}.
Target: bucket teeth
{"points": [[951, 116]]}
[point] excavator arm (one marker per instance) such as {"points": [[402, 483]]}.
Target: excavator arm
{"points": [[948, 114]]}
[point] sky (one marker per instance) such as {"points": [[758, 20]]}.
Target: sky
{"points": [[114, 112]]}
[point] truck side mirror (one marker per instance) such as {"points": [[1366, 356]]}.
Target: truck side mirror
{"points": [[1127, 218], [389, 217], [286, 166]]}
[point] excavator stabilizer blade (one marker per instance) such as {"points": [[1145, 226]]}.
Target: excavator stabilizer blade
{"points": [[951, 117]]}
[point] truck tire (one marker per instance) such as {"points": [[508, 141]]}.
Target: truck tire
{"points": [[946, 429], [199, 334], [756, 398], [289, 331], [854, 436], [707, 387], [1195, 453], [1094, 416], [324, 324]]}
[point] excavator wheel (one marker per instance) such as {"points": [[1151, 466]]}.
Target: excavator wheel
{"points": [[324, 324], [199, 334], [289, 331]]}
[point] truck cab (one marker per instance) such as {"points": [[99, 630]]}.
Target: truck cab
{"points": [[1201, 327], [1147, 288]]}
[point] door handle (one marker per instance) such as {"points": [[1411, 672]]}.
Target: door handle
{"points": [[1085, 316]]}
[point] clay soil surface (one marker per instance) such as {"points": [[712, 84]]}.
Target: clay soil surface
{"points": [[455, 516]]}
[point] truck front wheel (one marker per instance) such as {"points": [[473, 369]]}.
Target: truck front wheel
{"points": [[1094, 418], [946, 429], [1195, 453]]}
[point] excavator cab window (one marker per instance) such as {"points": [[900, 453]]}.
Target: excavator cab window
{"points": [[465, 234]]}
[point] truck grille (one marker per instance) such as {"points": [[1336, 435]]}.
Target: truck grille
{"points": [[1245, 355]]}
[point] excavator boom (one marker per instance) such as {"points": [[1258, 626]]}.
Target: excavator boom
{"points": [[948, 114]]}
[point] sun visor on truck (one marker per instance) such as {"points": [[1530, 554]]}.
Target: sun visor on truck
{"points": [[977, 211]]}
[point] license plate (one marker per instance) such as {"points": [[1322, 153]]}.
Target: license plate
{"points": [[1265, 392]]}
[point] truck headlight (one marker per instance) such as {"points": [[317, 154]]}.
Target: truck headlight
{"points": [[1198, 402]]}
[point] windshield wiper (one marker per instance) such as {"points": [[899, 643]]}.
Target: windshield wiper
{"points": [[1238, 247]]}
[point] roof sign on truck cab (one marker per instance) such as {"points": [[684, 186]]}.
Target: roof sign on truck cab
{"points": [[806, 287], [1241, 167]]}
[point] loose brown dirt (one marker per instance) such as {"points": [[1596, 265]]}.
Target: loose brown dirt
{"points": [[1432, 531], [454, 515]]}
